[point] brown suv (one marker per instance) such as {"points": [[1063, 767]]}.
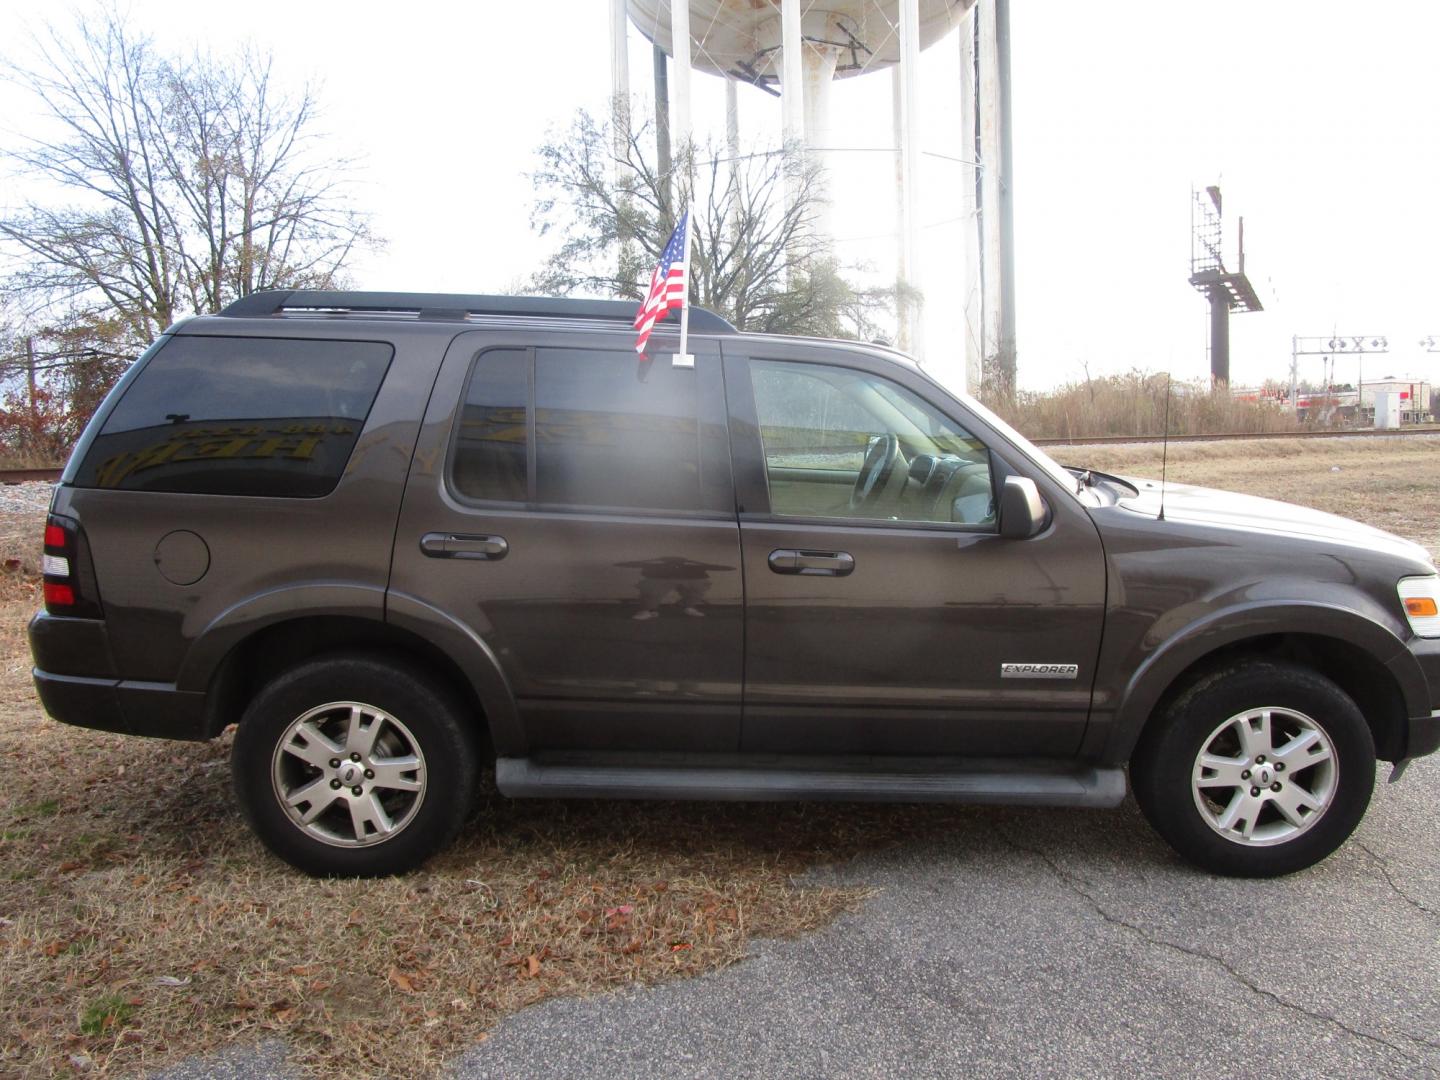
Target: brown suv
{"points": [[393, 535]]}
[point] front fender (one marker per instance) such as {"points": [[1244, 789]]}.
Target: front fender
{"points": [[1218, 629]]}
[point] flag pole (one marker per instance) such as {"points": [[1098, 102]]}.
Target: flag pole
{"points": [[683, 357]]}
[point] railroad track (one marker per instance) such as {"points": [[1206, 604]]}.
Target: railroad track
{"points": [[1097, 440], [25, 476]]}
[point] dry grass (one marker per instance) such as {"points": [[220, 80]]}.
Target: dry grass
{"points": [[1393, 483], [139, 921], [1138, 403], [142, 922]]}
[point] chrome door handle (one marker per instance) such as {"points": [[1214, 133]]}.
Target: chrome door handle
{"points": [[440, 545], [811, 563]]}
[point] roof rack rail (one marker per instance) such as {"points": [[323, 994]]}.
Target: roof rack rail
{"points": [[450, 306]]}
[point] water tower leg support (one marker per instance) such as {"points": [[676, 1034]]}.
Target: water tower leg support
{"points": [[620, 103], [792, 113], [902, 296], [987, 94], [619, 58], [909, 68], [819, 66], [792, 72], [1006, 349], [662, 126], [1219, 340], [732, 148], [680, 91], [970, 205]]}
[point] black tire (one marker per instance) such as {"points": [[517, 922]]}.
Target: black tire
{"points": [[406, 706], [1166, 764]]}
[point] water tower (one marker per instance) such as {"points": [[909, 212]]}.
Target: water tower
{"points": [[797, 48]]}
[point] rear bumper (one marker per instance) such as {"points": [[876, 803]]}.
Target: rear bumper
{"points": [[127, 707], [90, 695], [77, 646]]}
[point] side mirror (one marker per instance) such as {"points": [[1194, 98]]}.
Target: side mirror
{"points": [[1022, 510]]}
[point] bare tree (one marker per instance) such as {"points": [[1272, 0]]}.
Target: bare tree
{"points": [[756, 256], [190, 182]]}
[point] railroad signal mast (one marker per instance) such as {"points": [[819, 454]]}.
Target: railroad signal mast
{"points": [[1225, 291], [1330, 347]]}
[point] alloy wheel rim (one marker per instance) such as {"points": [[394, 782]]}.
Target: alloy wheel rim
{"points": [[349, 774], [1265, 776]]}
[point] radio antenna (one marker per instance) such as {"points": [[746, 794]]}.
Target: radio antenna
{"points": [[1164, 448]]}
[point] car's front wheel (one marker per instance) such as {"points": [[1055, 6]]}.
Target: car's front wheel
{"points": [[354, 765], [1259, 769]]}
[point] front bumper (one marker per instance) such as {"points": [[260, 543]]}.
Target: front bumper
{"points": [[1424, 727], [1424, 735]]}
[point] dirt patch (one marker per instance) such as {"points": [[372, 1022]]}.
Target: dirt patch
{"points": [[140, 922]]}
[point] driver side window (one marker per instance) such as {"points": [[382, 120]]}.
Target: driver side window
{"points": [[841, 443]]}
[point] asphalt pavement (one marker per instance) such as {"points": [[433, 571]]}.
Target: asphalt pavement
{"points": [[1042, 943]]}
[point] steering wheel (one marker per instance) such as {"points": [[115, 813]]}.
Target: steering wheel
{"points": [[880, 458]]}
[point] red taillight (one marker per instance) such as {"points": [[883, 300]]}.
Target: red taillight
{"points": [[66, 591], [58, 595]]}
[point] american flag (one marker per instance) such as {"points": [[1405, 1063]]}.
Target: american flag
{"points": [[667, 285]]}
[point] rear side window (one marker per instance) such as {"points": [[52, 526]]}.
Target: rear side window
{"points": [[588, 428], [239, 416]]}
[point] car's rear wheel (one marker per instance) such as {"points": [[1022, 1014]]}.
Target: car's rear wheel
{"points": [[355, 765], [1259, 769]]}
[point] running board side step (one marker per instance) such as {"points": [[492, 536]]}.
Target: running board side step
{"points": [[994, 782]]}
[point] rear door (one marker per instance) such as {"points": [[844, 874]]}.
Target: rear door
{"points": [[572, 504], [882, 604]]}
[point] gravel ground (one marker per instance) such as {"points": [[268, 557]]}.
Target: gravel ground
{"points": [[22, 523], [1057, 945], [26, 499], [1040, 944]]}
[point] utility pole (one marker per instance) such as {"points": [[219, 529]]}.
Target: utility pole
{"points": [[30, 372]]}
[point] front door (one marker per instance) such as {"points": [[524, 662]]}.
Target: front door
{"points": [[882, 604], [571, 504]]}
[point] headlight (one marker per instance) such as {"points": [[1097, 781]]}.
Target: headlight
{"points": [[1421, 598]]}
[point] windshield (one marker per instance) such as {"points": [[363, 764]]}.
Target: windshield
{"points": [[1058, 472]]}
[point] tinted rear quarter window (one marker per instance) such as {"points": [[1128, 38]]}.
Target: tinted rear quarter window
{"points": [[239, 416], [492, 445]]}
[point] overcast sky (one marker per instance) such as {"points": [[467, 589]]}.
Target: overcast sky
{"points": [[1321, 121]]}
